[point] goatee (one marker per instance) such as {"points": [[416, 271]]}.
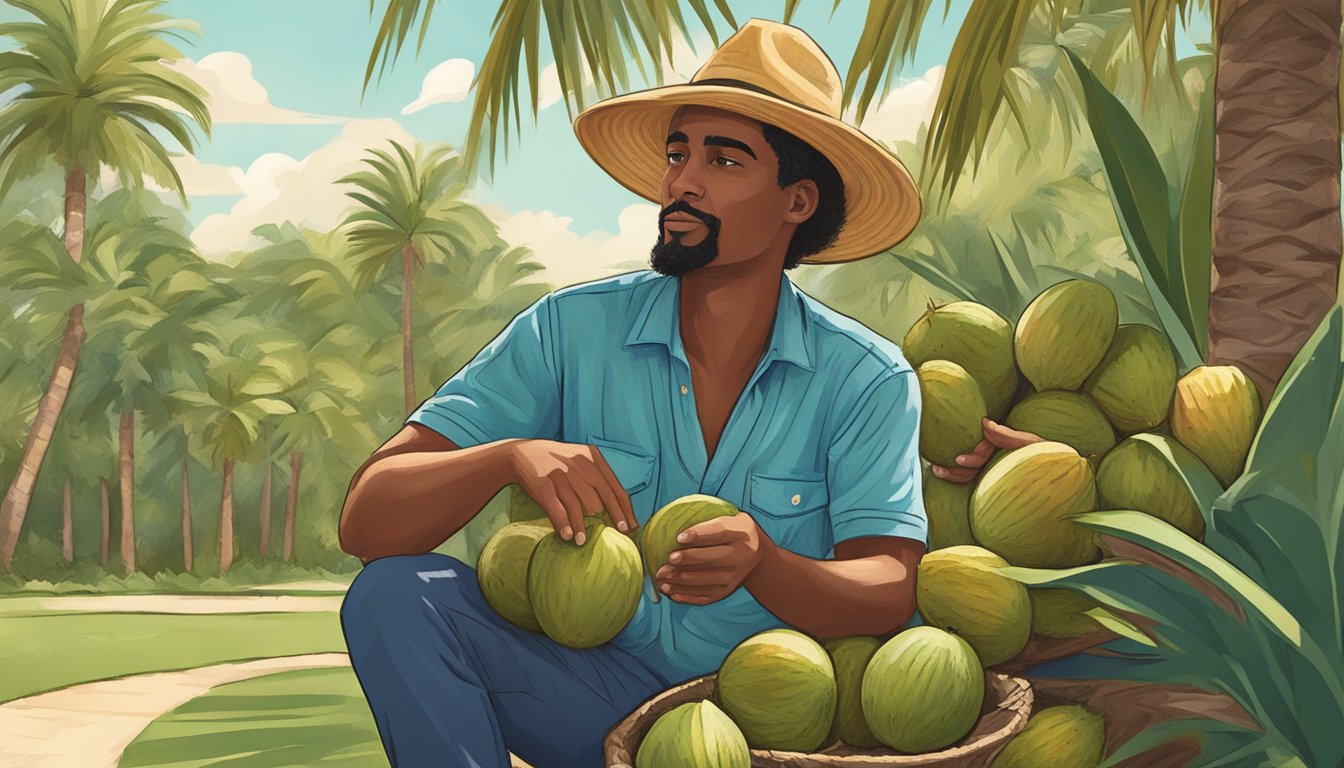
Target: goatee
{"points": [[675, 258]]}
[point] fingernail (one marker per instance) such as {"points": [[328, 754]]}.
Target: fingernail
{"points": [[566, 532], [667, 590], [937, 471], [579, 539], [683, 537], [622, 527], [675, 557]]}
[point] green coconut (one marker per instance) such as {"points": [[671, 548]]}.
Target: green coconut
{"points": [[583, 595], [1059, 737], [779, 687], [1061, 613], [1139, 475], [1064, 333], [658, 537], [849, 657], [502, 571], [1215, 413], [973, 336], [1065, 417], [696, 734], [923, 690], [948, 508], [1135, 380], [951, 412], [1020, 508], [958, 590]]}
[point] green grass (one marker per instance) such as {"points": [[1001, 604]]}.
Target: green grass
{"points": [[45, 652], [305, 717]]}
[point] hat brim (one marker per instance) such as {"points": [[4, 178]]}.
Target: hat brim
{"points": [[627, 136]]}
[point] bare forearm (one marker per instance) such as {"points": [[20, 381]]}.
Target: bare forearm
{"points": [[410, 503], [834, 598]]}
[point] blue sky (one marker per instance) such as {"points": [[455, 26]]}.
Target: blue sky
{"points": [[309, 56]]}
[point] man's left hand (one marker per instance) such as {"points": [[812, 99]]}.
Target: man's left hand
{"points": [[712, 559]]}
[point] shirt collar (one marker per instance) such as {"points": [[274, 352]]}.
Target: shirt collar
{"points": [[658, 322]]}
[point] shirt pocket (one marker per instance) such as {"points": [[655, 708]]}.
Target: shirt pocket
{"points": [[631, 464], [791, 508]]}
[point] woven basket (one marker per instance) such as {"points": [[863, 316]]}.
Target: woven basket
{"points": [[1007, 707]]}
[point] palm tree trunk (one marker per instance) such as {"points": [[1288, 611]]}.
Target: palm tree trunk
{"points": [[226, 520], [266, 510], [292, 503], [15, 506], [1276, 221], [186, 516], [127, 442], [67, 525], [408, 258], [107, 522]]}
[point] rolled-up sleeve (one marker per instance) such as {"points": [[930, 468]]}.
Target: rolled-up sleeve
{"points": [[509, 390], [874, 480]]}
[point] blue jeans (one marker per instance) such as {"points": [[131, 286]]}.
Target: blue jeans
{"points": [[451, 683]]}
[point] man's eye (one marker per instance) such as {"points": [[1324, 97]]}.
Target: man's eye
{"points": [[722, 160], [674, 157]]}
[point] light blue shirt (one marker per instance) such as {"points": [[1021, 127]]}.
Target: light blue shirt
{"points": [[821, 447]]}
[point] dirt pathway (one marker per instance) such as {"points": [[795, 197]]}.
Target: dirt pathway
{"points": [[89, 725]]}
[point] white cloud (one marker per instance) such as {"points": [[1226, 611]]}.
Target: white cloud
{"points": [[449, 81], [277, 187], [573, 258], [684, 62], [198, 179], [235, 96], [904, 109]]}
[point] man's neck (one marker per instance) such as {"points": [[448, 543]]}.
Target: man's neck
{"points": [[727, 314]]}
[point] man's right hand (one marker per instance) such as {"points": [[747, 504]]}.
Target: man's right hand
{"points": [[569, 481]]}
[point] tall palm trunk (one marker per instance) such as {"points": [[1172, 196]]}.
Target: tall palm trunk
{"points": [[1276, 222], [127, 443], [292, 503], [186, 516], [20, 493], [67, 525], [266, 510], [408, 259], [226, 520], [107, 522]]}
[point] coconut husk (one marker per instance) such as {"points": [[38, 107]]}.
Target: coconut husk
{"points": [[1008, 703], [1130, 707]]}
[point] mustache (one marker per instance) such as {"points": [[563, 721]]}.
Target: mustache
{"points": [[681, 206]]}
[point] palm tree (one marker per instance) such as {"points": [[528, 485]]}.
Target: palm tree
{"points": [[93, 78], [1276, 237], [409, 205], [245, 381]]}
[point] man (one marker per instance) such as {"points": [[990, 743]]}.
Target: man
{"points": [[709, 374]]}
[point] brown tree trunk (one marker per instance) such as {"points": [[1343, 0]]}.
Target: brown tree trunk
{"points": [[292, 503], [408, 259], [67, 525], [226, 520], [186, 516], [266, 511], [1276, 222], [127, 441], [107, 522], [20, 493]]}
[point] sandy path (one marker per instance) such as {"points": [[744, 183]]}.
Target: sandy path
{"points": [[89, 725], [195, 604]]}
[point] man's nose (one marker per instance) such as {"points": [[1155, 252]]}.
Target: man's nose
{"points": [[686, 182]]}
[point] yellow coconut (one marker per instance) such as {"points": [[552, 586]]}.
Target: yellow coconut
{"points": [[973, 336], [958, 590], [1064, 333], [1138, 475], [1215, 413], [951, 414], [501, 571], [1057, 612], [1022, 505], [948, 508], [1065, 417], [1135, 380], [1059, 737]]}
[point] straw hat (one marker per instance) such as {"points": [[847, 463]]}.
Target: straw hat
{"points": [[774, 73]]}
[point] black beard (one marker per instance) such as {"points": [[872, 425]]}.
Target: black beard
{"points": [[675, 259]]}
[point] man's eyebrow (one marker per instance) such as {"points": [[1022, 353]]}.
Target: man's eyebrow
{"points": [[676, 136], [724, 141]]}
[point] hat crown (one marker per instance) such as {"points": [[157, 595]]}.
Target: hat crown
{"points": [[780, 59]]}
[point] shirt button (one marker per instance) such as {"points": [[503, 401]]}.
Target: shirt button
{"points": [[684, 390], [796, 499]]}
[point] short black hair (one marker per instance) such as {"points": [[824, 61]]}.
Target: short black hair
{"points": [[799, 160]]}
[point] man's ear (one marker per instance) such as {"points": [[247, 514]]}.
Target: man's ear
{"points": [[803, 198]]}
